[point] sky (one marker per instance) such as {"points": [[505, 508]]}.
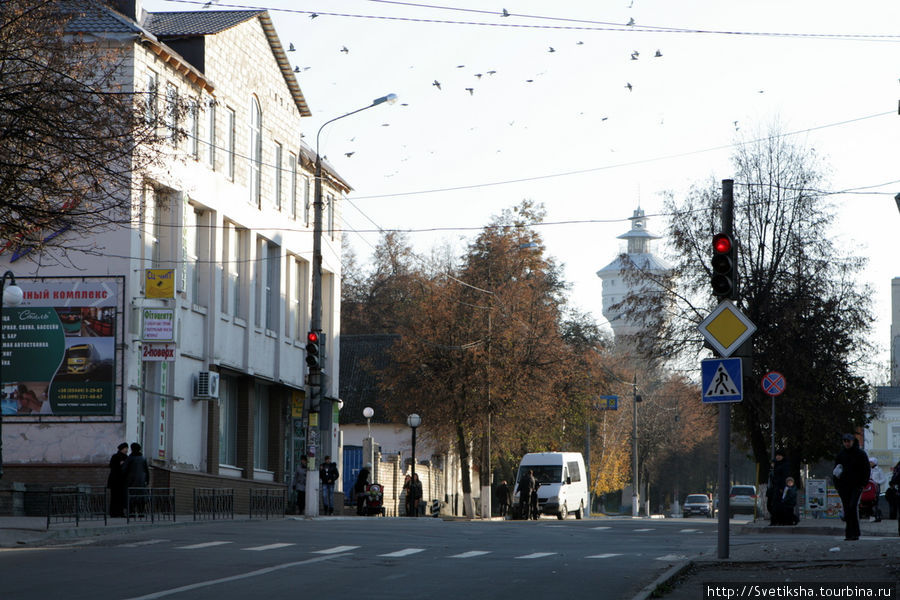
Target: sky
{"points": [[537, 105]]}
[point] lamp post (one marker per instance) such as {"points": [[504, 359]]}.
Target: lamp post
{"points": [[9, 296], [635, 509], [316, 382], [369, 443], [413, 421], [368, 413]]}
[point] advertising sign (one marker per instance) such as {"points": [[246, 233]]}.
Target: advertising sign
{"points": [[151, 352], [158, 325], [159, 283], [59, 352]]}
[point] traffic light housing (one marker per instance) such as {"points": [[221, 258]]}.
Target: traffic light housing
{"points": [[315, 350], [724, 267]]}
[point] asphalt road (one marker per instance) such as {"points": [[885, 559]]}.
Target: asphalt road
{"points": [[361, 558]]}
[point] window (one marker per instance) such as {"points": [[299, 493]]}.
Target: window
{"points": [[228, 422], [150, 100], [193, 128], [306, 200], [211, 134], [255, 154], [233, 264], [195, 253], [157, 217], [268, 283], [574, 471], [261, 427], [301, 292], [895, 437], [279, 172], [172, 113], [229, 143], [293, 161], [331, 216]]}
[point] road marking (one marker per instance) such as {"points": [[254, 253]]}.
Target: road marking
{"points": [[689, 530], [268, 547], [404, 552], [535, 555], [671, 557], [203, 545], [471, 554], [611, 555], [643, 530], [211, 582], [336, 550], [144, 543], [604, 527]]}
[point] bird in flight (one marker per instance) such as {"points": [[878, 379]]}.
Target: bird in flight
{"points": [[628, 85], [505, 13], [658, 54], [552, 49], [491, 72], [291, 47], [436, 84], [579, 43], [529, 81], [631, 22], [345, 50], [313, 15], [471, 91], [460, 66], [635, 54], [349, 154], [479, 75]]}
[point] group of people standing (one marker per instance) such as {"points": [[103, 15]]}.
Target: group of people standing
{"points": [[528, 496], [125, 471], [413, 488]]}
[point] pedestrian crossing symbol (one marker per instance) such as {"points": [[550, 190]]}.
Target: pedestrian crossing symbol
{"points": [[722, 380]]}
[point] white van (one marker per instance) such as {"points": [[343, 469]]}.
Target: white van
{"points": [[563, 482]]}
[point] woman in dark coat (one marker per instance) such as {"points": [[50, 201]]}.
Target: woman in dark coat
{"points": [[359, 489], [116, 481], [415, 492], [137, 475]]}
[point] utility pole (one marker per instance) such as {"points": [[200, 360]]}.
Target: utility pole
{"points": [[635, 508], [725, 407]]}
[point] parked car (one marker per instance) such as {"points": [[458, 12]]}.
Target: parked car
{"points": [[698, 504], [742, 500]]}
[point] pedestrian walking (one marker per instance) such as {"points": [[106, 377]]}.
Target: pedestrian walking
{"points": [[503, 498], [880, 480], [779, 474], [850, 474], [535, 513], [137, 475], [328, 474], [116, 481], [407, 499], [300, 484]]}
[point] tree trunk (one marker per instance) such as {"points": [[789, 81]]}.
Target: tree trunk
{"points": [[463, 448]]}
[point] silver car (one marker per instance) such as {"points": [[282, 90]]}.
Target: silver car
{"points": [[698, 504], [742, 500]]}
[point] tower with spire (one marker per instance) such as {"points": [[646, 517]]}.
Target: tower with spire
{"points": [[617, 285]]}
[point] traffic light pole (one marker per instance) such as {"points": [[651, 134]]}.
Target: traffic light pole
{"points": [[725, 407]]}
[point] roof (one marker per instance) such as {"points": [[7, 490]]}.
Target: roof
{"points": [[92, 17], [360, 356], [887, 395], [169, 24], [643, 262]]}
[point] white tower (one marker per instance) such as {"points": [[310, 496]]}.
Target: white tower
{"points": [[615, 284]]}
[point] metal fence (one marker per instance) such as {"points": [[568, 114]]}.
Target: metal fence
{"points": [[266, 503], [76, 504], [213, 503], [150, 504]]}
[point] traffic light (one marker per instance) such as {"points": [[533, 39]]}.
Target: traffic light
{"points": [[724, 267], [315, 350]]}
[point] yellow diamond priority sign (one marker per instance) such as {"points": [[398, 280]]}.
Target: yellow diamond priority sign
{"points": [[726, 328]]}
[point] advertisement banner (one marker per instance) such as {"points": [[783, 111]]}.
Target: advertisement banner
{"points": [[59, 355], [159, 325], [151, 352], [159, 283]]}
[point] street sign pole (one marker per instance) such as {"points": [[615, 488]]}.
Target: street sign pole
{"points": [[725, 408]]}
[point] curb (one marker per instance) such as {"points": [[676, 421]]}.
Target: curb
{"points": [[663, 580]]}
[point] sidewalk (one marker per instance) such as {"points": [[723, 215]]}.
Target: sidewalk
{"points": [[826, 558]]}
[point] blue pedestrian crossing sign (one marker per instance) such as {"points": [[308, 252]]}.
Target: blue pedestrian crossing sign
{"points": [[722, 380]]}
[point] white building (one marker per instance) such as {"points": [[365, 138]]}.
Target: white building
{"points": [[228, 218], [616, 284]]}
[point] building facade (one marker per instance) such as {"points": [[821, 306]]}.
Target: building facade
{"points": [[197, 311]]}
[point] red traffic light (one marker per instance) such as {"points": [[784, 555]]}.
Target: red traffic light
{"points": [[722, 243], [312, 337]]}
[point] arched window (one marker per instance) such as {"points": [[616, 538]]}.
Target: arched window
{"points": [[255, 153]]}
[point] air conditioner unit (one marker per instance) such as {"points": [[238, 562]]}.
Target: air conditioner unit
{"points": [[206, 385]]}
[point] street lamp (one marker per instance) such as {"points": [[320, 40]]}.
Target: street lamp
{"points": [[368, 413], [315, 320], [413, 421], [635, 398], [9, 296]]}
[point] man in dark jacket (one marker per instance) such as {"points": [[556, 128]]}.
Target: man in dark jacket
{"points": [[503, 498], [851, 473], [116, 481], [526, 486], [780, 472], [137, 475], [328, 474]]}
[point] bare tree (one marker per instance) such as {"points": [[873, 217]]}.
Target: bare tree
{"points": [[795, 284], [73, 135]]}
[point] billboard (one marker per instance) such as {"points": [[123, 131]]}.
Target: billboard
{"points": [[59, 350]]}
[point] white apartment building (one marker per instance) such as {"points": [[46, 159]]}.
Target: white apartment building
{"points": [[228, 221]]}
